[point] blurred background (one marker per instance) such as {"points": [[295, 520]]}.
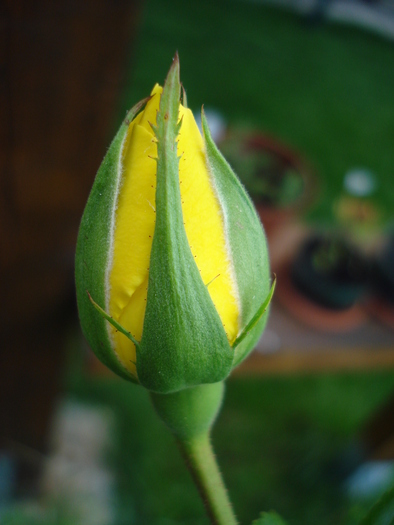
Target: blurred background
{"points": [[299, 96]]}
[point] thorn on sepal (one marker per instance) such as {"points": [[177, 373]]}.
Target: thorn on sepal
{"points": [[211, 281], [153, 126], [184, 97]]}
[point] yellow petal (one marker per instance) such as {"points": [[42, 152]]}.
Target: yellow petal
{"points": [[135, 222], [204, 224]]}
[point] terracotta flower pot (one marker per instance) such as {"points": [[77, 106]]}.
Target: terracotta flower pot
{"points": [[330, 272], [280, 182], [325, 285]]}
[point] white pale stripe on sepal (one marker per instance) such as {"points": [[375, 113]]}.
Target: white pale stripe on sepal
{"points": [[224, 211], [226, 223], [94, 248], [247, 241], [111, 241]]}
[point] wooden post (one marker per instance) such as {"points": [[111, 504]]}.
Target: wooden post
{"points": [[62, 64]]}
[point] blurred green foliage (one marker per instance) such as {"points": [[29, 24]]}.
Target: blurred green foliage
{"points": [[325, 89], [282, 443]]}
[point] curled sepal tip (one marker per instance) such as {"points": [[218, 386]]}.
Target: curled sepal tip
{"points": [[257, 316]]}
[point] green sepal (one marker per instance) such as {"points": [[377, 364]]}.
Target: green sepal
{"points": [[191, 412], [183, 341], [93, 249], [246, 241]]}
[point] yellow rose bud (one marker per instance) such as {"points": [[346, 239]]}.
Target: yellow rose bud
{"points": [[171, 253]]}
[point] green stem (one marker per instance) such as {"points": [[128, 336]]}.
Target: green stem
{"points": [[202, 464], [190, 414]]}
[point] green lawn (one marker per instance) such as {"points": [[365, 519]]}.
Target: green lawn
{"points": [[326, 90]]}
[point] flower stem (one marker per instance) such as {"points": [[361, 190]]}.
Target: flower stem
{"points": [[190, 414], [201, 461]]}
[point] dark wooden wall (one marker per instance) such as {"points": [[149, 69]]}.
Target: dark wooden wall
{"points": [[61, 68]]}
